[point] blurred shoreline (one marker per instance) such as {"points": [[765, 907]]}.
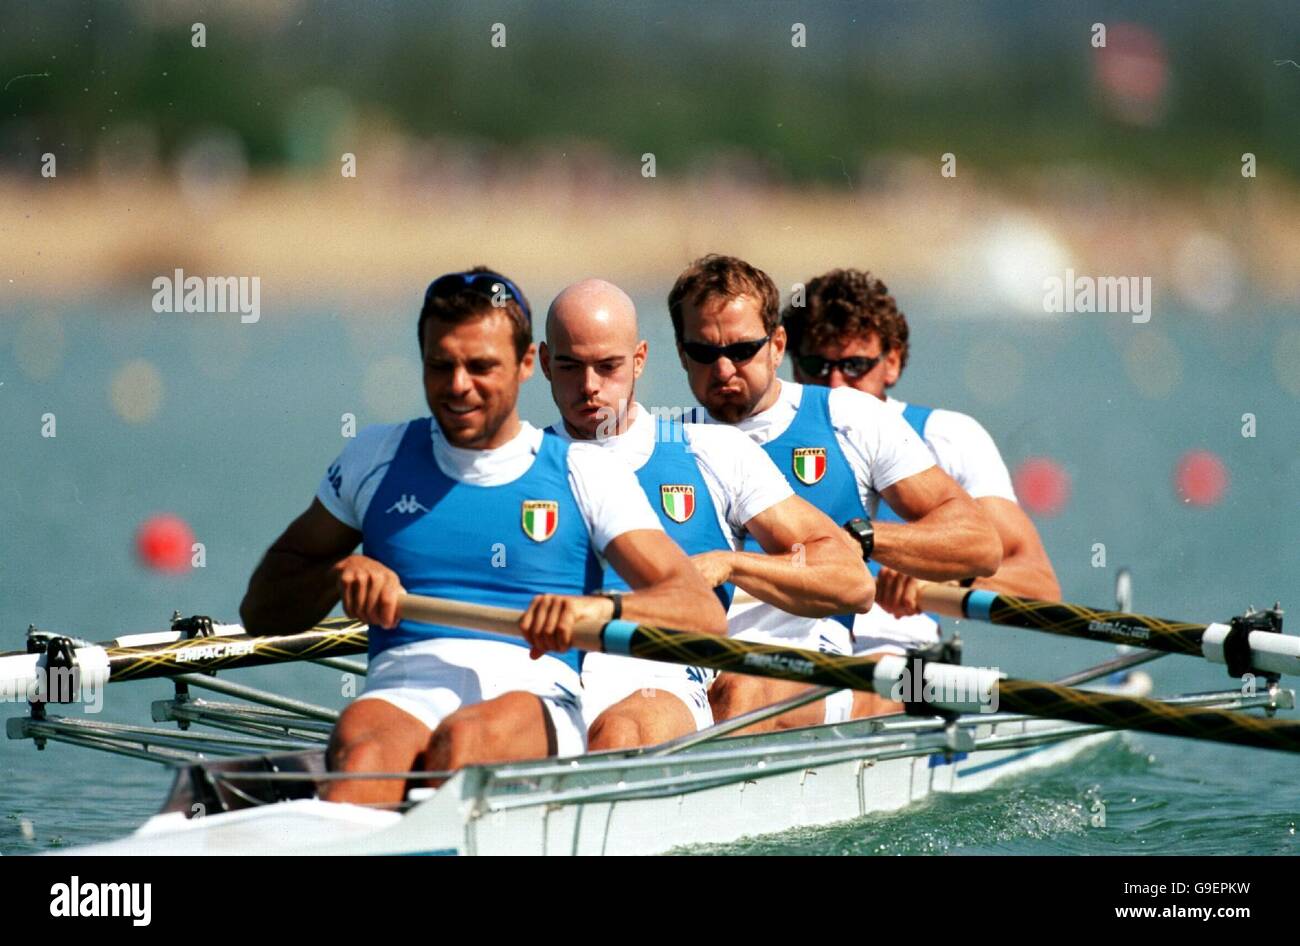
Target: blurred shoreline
{"points": [[313, 235]]}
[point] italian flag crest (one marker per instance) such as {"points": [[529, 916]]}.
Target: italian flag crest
{"points": [[809, 464], [678, 501], [540, 517]]}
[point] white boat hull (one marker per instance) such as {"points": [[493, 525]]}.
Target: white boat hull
{"points": [[787, 780]]}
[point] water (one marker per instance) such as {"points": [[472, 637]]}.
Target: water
{"points": [[1151, 802], [248, 417]]}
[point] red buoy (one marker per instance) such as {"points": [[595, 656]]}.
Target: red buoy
{"points": [[1200, 479], [1042, 486], [164, 542]]}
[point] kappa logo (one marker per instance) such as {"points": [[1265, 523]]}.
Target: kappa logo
{"points": [[809, 464], [540, 517], [408, 505], [678, 501]]}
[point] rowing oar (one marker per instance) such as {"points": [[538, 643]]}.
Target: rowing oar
{"points": [[888, 675], [164, 654], [1248, 643]]}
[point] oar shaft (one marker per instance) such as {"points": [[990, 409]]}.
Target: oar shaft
{"points": [[333, 637], [1269, 652], [1124, 712], [882, 674], [1069, 620], [113, 661]]}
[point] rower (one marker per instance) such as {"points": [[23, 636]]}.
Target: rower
{"points": [[840, 449], [711, 485], [473, 504], [850, 333]]}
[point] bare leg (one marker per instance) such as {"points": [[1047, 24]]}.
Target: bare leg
{"points": [[373, 736], [509, 728], [646, 718], [872, 704], [734, 694]]}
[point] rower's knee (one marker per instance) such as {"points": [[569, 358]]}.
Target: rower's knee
{"points": [[454, 744], [614, 731], [732, 694], [358, 754]]}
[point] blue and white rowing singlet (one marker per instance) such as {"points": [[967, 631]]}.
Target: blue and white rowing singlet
{"points": [[498, 545], [676, 489], [809, 455]]}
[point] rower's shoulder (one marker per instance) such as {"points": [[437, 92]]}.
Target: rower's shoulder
{"points": [[851, 400], [851, 409], [591, 461], [374, 441], [954, 425], [714, 438], [372, 432]]}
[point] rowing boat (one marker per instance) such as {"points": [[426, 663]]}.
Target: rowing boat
{"points": [[250, 786], [619, 803]]}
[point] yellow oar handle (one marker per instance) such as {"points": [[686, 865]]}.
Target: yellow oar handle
{"points": [[942, 599], [485, 617]]}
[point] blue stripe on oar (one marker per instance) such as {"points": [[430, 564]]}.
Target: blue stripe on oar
{"points": [[618, 637], [978, 604]]}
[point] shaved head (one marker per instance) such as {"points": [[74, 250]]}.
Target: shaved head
{"points": [[592, 310], [592, 356]]}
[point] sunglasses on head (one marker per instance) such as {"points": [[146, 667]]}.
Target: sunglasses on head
{"points": [[737, 352], [488, 284], [815, 366]]}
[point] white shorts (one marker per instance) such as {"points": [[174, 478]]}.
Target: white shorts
{"points": [[879, 632], [432, 679], [828, 637], [607, 679]]}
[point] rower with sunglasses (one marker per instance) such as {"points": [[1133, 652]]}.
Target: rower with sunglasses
{"points": [[840, 449], [711, 486], [850, 333], [472, 504]]}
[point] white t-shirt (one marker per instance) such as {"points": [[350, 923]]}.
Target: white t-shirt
{"points": [[964, 450], [608, 494], [881, 449], [742, 480]]}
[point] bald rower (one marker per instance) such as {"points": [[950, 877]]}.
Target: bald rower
{"points": [[711, 485]]}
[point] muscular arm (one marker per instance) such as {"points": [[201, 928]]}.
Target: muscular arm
{"points": [[946, 536], [296, 584], [667, 590], [1025, 570], [812, 568]]}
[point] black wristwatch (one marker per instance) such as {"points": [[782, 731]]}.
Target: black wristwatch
{"points": [[862, 530], [618, 603]]}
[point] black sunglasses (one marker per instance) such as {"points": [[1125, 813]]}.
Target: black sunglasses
{"points": [[737, 352], [815, 366], [488, 284]]}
